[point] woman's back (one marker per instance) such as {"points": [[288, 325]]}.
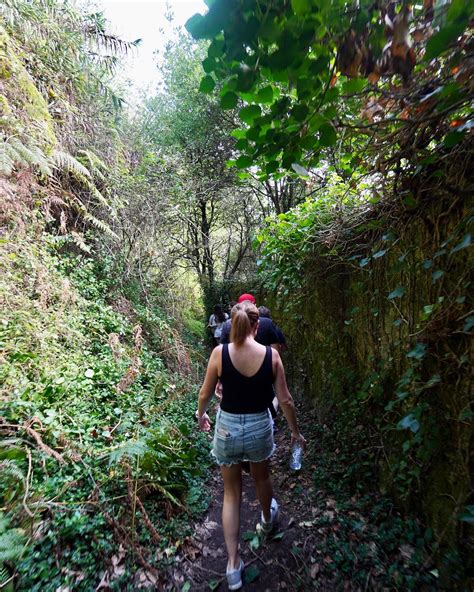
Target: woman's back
{"points": [[247, 378]]}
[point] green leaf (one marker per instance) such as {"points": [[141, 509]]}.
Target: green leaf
{"points": [[264, 95], [409, 422], [418, 352], [243, 161], [465, 242], [249, 113], [300, 7], [195, 26], [299, 170], [453, 138], [354, 86], [327, 135], [251, 574], [248, 536], [379, 254], [186, 587], [214, 584], [436, 275], [397, 293], [207, 84], [440, 41], [229, 100], [468, 325]]}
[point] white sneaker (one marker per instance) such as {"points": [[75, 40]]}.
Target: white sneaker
{"points": [[234, 577], [268, 527]]}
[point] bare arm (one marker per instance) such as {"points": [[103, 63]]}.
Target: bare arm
{"points": [[285, 399], [209, 384]]}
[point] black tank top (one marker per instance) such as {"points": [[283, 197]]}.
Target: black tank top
{"points": [[242, 394]]}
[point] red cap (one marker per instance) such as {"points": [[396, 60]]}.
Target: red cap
{"points": [[244, 297]]}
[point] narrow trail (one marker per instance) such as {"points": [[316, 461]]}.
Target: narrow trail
{"points": [[269, 566], [329, 539]]}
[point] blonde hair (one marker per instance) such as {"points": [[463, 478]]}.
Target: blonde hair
{"points": [[244, 320]]}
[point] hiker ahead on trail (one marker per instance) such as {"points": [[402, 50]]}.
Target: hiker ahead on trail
{"points": [[266, 332], [243, 431], [216, 322]]}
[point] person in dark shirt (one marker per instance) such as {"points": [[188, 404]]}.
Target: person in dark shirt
{"points": [[266, 333], [265, 314]]}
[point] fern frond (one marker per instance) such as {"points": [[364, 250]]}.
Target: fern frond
{"points": [[4, 576], [95, 164], [11, 540], [10, 469], [129, 449], [15, 153], [7, 164], [66, 162], [101, 225], [79, 241]]}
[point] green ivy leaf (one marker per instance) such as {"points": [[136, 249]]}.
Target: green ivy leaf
{"points": [[397, 293], [465, 242], [300, 7], [243, 161], [468, 324], [229, 100], [265, 95], [418, 352], [249, 113], [354, 86], [409, 422], [213, 584], [436, 275], [440, 41], [251, 574], [186, 587], [453, 138], [327, 135], [207, 84]]}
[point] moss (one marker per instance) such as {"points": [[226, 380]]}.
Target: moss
{"points": [[18, 89]]}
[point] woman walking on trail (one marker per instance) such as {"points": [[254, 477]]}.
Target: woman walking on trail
{"points": [[243, 430], [216, 322]]}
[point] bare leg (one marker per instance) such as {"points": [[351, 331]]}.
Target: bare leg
{"points": [[231, 512], [263, 484]]}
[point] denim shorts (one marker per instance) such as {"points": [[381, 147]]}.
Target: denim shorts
{"points": [[246, 437]]}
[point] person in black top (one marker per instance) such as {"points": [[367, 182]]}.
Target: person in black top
{"points": [[243, 431], [265, 314]]}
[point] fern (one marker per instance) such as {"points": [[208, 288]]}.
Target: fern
{"points": [[129, 449], [11, 469], [12, 540], [17, 154], [4, 576], [66, 162]]}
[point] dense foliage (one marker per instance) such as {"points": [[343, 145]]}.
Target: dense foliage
{"points": [[372, 83]]}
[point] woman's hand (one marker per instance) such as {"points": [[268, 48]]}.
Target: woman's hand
{"points": [[204, 422], [298, 438]]}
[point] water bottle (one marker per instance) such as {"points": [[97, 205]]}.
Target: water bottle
{"points": [[295, 457]]}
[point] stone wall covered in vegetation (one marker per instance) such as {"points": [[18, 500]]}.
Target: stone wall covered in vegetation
{"points": [[376, 312]]}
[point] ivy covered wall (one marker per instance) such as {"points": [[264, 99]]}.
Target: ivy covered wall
{"points": [[377, 318]]}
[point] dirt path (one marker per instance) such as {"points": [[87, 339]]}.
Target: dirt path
{"points": [[269, 566], [330, 539]]}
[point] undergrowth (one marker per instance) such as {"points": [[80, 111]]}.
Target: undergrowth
{"points": [[99, 458]]}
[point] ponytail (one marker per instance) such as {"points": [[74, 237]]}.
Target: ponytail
{"points": [[244, 320]]}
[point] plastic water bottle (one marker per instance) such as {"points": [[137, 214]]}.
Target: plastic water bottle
{"points": [[295, 457]]}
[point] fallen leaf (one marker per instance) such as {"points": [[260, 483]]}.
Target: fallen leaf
{"points": [[314, 570]]}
